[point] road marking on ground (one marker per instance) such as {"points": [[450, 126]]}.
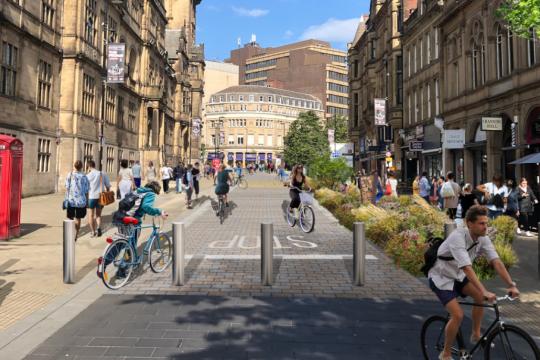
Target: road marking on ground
{"points": [[284, 257]]}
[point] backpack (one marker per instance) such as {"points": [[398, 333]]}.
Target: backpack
{"points": [[447, 190], [496, 200], [430, 255], [131, 203]]}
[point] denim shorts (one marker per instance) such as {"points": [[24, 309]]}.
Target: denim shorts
{"points": [[94, 204], [445, 296]]}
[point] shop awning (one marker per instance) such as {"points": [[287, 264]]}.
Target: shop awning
{"points": [[528, 159]]}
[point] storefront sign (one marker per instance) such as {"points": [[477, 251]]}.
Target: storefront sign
{"points": [[262, 156], [239, 156], [380, 112], [230, 156], [454, 139], [416, 146], [492, 124], [251, 157], [115, 63]]}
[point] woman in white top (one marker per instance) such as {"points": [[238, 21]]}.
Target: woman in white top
{"points": [[150, 172], [393, 183], [125, 179]]}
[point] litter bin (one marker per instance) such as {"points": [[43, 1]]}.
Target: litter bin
{"points": [[11, 161]]}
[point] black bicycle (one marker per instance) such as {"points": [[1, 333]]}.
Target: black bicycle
{"points": [[221, 208], [499, 341]]}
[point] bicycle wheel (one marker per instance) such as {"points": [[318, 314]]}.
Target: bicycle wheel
{"points": [[510, 342], [242, 183], [160, 253], [291, 220], [117, 264], [221, 210], [307, 219], [432, 337]]}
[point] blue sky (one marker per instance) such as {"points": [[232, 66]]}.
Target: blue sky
{"points": [[275, 22]]}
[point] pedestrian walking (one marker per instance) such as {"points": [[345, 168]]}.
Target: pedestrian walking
{"points": [[393, 183], [376, 187], [196, 174], [467, 199], [416, 186], [166, 174], [512, 203], [496, 196], [150, 172], [424, 187], [527, 200], [98, 182], [187, 181], [178, 173], [125, 180], [450, 192], [75, 201], [440, 198], [137, 173]]}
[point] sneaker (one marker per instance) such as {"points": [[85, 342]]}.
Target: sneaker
{"points": [[528, 233], [99, 233], [518, 231], [442, 357]]}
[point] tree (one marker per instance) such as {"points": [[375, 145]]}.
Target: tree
{"points": [[331, 173], [522, 16], [341, 125], [306, 140]]}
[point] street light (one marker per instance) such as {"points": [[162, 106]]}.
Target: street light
{"points": [[218, 136]]}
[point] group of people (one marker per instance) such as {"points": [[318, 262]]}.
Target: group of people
{"points": [[500, 197]]}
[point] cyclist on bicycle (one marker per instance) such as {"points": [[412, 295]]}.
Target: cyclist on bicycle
{"points": [[298, 181], [453, 276], [238, 170], [223, 178]]}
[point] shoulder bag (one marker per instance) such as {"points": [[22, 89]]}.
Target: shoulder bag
{"points": [[105, 197]]}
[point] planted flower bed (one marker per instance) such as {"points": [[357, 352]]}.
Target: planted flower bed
{"points": [[401, 226]]}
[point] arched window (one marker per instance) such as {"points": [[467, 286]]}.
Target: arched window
{"points": [[531, 47], [510, 50]]}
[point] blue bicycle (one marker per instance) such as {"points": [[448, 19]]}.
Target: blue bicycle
{"points": [[121, 256]]}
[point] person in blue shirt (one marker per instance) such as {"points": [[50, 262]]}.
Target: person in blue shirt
{"points": [[77, 188], [150, 191], [238, 169]]}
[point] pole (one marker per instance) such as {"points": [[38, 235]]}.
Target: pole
{"points": [[538, 229], [267, 253], [103, 93], [69, 252], [448, 228], [359, 253], [178, 253]]}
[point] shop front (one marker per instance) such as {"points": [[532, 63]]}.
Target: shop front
{"points": [[230, 159], [262, 158], [251, 158], [453, 143], [476, 149], [432, 151], [239, 157]]}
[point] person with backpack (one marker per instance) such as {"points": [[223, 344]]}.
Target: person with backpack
{"points": [[451, 274], [450, 191], [496, 196]]}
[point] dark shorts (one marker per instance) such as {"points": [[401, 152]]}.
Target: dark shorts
{"points": [[445, 296], [137, 182], [94, 204], [76, 212], [222, 189]]}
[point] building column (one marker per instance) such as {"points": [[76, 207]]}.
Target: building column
{"points": [[155, 127]]}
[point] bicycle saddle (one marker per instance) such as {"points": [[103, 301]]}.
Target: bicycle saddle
{"points": [[130, 220]]}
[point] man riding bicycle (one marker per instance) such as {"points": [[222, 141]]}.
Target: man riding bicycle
{"points": [[453, 276], [223, 179]]}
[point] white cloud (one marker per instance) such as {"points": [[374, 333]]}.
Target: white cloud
{"points": [[332, 30], [212, 8], [288, 34], [250, 12]]}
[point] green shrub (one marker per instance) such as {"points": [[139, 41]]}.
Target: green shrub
{"points": [[405, 201], [407, 250], [505, 229], [429, 222], [330, 172], [483, 269], [345, 216], [329, 199], [381, 230]]}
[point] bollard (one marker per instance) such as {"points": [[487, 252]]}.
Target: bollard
{"points": [[179, 238], [448, 228], [69, 252], [267, 254], [359, 254]]}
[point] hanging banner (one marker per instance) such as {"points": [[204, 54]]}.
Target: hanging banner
{"points": [[380, 112], [196, 126], [331, 133], [116, 53]]}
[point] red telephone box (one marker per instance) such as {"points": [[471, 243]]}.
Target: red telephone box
{"points": [[11, 161]]}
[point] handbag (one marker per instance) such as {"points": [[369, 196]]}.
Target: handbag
{"points": [[65, 203], [105, 197]]}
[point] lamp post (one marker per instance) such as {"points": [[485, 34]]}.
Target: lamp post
{"points": [[218, 135]]}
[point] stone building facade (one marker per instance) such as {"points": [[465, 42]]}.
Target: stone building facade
{"points": [[248, 123], [74, 107]]}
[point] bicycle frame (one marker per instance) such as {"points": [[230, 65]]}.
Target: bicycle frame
{"points": [[133, 242]]}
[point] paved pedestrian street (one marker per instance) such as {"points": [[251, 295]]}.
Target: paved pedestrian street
{"points": [[312, 311]]}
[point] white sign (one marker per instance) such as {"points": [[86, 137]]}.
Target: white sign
{"points": [[331, 133], [380, 112], [492, 124], [196, 126], [454, 139]]}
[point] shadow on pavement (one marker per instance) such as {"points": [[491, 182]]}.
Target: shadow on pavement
{"points": [[28, 228]]}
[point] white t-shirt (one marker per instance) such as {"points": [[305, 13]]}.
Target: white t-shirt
{"points": [[444, 273], [492, 189], [95, 183], [125, 174], [393, 185], [166, 172]]}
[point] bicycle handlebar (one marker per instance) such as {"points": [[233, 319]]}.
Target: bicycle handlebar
{"points": [[297, 188], [506, 297]]}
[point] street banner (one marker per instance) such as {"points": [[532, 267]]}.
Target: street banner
{"points": [[196, 127], [331, 136], [116, 53], [380, 112]]}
